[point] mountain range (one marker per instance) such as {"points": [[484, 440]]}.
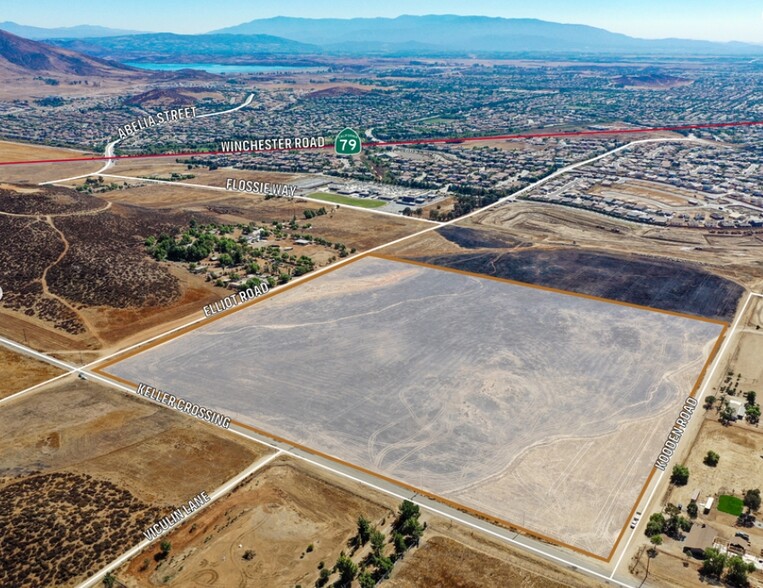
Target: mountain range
{"points": [[78, 32], [451, 33], [408, 36], [23, 57]]}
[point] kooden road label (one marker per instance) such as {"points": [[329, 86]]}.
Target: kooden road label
{"points": [[671, 443]]}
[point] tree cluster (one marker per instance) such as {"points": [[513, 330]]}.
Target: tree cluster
{"points": [[673, 525], [736, 568]]}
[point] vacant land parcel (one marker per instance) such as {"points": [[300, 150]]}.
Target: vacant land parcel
{"points": [[541, 408]]}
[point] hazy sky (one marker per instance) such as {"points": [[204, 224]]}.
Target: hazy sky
{"points": [[719, 20]]}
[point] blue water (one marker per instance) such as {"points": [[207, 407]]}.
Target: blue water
{"points": [[220, 68]]}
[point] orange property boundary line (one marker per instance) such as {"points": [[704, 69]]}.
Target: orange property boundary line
{"points": [[490, 518], [548, 289]]}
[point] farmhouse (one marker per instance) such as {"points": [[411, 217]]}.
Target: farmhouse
{"points": [[699, 538]]}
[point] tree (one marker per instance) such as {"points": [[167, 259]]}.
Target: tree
{"points": [[109, 580], [675, 524], [413, 529], [713, 564], [347, 569], [398, 539], [323, 577], [692, 510], [709, 401], [680, 475], [752, 414], [751, 396], [366, 580], [377, 542], [165, 546], [364, 530], [406, 510], [727, 415], [752, 499], [737, 572], [384, 566], [656, 525], [656, 539], [711, 459]]}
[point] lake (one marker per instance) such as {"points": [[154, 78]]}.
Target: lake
{"points": [[221, 68]]}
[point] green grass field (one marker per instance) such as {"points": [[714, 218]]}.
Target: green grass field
{"points": [[730, 504], [338, 199]]}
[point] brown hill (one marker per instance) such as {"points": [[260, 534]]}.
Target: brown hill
{"points": [[20, 57], [335, 91], [172, 97], [651, 81]]}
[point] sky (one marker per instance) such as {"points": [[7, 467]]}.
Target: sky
{"points": [[715, 20]]}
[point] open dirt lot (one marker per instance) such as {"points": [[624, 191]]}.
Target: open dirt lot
{"points": [[35, 173], [650, 190], [571, 250], [289, 505], [581, 375], [21, 372], [277, 514], [444, 563], [92, 467], [163, 168]]}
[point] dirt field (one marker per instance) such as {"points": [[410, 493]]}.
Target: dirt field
{"points": [[202, 175], [404, 419], [650, 190], [21, 372], [277, 514], [443, 563], [739, 468], [33, 174], [130, 458], [584, 252], [289, 505]]}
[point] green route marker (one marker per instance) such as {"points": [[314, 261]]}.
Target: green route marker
{"points": [[347, 143]]}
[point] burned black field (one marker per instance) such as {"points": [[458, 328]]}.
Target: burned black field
{"points": [[660, 284]]}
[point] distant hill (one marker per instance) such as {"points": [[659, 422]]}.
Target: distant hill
{"points": [[451, 33], [19, 57], [78, 32], [171, 48]]}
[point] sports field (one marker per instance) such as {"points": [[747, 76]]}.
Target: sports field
{"points": [[349, 200], [542, 409]]}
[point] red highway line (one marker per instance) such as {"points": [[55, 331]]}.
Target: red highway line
{"points": [[411, 142]]}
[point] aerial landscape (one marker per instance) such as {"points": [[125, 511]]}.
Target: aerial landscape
{"points": [[422, 294]]}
